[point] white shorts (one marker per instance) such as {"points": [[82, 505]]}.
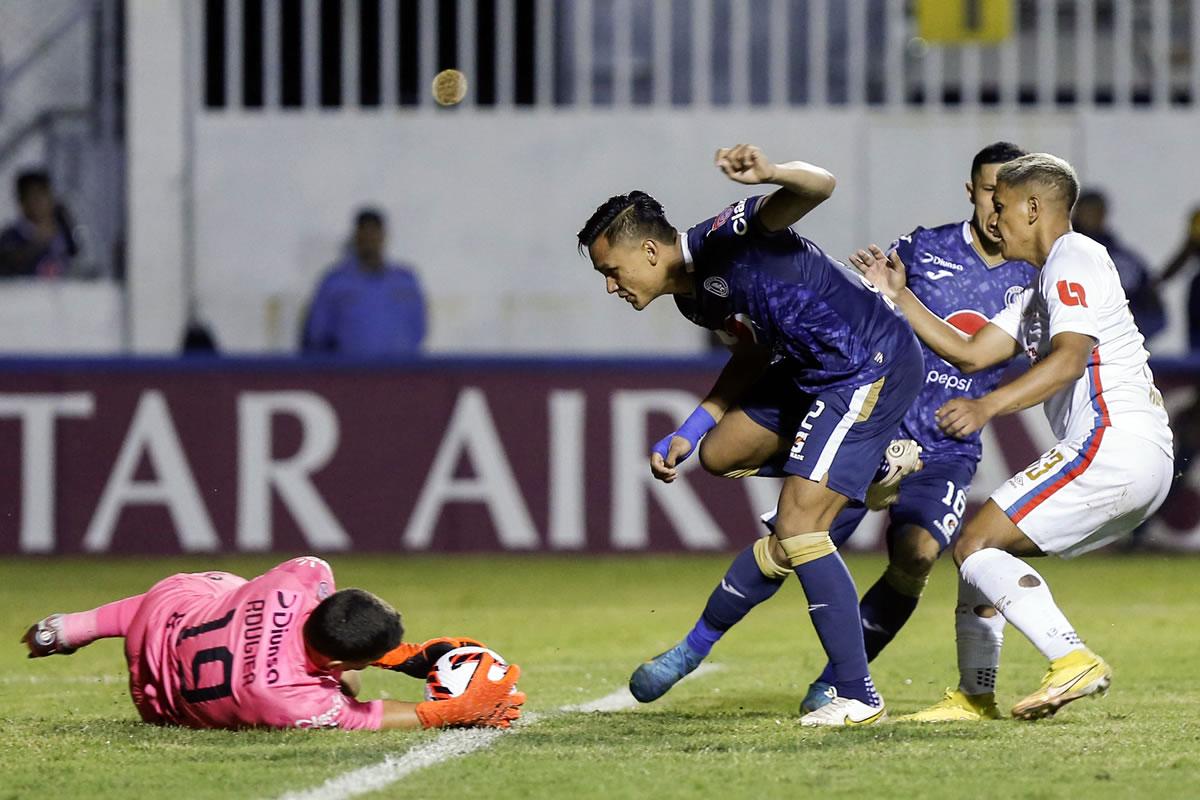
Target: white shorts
{"points": [[1082, 495]]}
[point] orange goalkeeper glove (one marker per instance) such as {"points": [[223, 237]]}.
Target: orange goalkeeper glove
{"points": [[487, 703], [417, 660]]}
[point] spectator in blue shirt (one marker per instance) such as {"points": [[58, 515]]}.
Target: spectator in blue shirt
{"points": [[39, 243], [365, 305]]}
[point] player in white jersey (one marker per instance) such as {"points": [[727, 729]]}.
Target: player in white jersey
{"points": [[1110, 470]]}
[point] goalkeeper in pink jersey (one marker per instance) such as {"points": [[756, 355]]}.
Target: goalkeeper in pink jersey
{"points": [[213, 650]]}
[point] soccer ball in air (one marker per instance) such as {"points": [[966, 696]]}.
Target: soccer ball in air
{"points": [[454, 671]]}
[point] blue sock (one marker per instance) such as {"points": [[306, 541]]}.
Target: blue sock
{"points": [[833, 607], [743, 587], [883, 611]]}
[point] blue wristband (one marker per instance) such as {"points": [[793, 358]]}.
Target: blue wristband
{"points": [[693, 429]]}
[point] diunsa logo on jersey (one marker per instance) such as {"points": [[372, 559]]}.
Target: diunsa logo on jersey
{"points": [[717, 286], [935, 259]]}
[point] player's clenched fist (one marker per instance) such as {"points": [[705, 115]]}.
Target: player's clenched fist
{"points": [[674, 448], [485, 702], [745, 163]]}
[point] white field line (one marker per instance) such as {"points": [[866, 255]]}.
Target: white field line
{"points": [[33, 680], [452, 744]]}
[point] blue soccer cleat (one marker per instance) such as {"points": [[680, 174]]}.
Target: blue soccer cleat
{"points": [[655, 677], [819, 695]]}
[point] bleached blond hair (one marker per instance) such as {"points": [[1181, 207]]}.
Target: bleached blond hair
{"points": [[1046, 170]]}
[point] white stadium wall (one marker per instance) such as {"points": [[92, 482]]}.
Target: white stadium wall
{"points": [[486, 205]]}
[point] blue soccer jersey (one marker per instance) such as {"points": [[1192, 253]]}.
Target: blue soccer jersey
{"points": [[952, 280], [781, 291]]}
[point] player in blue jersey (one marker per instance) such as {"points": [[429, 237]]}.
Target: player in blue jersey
{"points": [[959, 272], [821, 373]]}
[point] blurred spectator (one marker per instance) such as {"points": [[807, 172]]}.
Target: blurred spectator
{"points": [[39, 243], [366, 306], [198, 339], [1189, 254], [1091, 219]]}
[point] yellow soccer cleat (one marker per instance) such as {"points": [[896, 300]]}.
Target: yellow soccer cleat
{"points": [[1080, 673], [958, 706]]}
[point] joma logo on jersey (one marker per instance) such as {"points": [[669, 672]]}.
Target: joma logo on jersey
{"points": [[1071, 294], [806, 427]]}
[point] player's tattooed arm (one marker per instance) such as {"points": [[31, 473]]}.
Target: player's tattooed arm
{"points": [[1068, 358], [803, 186], [987, 347]]}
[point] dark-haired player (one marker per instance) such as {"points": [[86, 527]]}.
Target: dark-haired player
{"points": [[213, 650], [959, 273], [821, 373], [1112, 465]]}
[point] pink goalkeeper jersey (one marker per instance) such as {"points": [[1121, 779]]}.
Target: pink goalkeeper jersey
{"points": [[212, 650]]}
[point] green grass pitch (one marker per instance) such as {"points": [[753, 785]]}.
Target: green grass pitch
{"points": [[578, 626]]}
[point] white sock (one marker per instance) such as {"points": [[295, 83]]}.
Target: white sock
{"points": [[979, 639], [1022, 596]]}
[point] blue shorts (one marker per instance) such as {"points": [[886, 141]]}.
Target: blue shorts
{"points": [[840, 434], [935, 498]]}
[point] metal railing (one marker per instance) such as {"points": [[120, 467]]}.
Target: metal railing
{"points": [[614, 54], [81, 147]]}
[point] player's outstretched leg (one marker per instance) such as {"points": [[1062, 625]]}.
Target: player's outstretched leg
{"points": [[979, 633], [752, 578], [1075, 672], [912, 552], [833, 607], [883, 611], [63, 634], [986, 559], [832, 601]]}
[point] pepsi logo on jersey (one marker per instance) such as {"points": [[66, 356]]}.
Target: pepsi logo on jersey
{"points": [[956, 382]]}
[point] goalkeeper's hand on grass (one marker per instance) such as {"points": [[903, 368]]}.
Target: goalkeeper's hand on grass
{"points": [[417, 660], [485, 703]]}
